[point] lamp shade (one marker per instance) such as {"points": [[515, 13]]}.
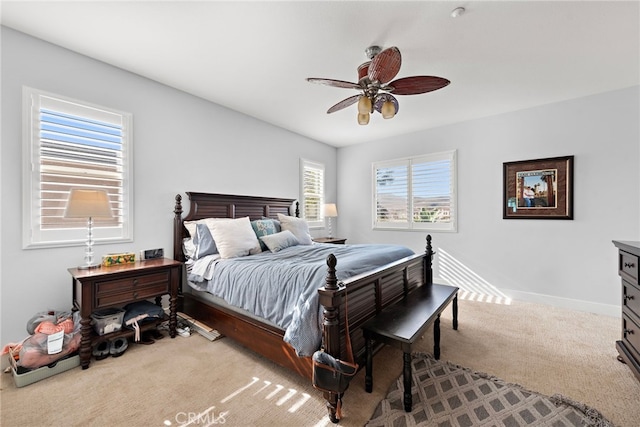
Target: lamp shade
{"points": [[88, 204], [330, 210]]}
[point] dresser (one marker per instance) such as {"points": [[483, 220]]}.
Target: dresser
{"points": [[117, 286], [629, 346]]}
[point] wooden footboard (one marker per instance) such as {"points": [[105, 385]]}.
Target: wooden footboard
{"points": [[366, 294]]}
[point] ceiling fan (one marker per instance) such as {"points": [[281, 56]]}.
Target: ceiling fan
{"points": [[376, 87]]}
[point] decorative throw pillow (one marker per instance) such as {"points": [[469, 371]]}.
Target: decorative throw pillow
{"points": [[276, 223], [278, 241], [298, 226], [235, 237], [203, 242], [263, 227]]}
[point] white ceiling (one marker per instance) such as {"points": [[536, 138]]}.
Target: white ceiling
{"points": [[253, 57]]}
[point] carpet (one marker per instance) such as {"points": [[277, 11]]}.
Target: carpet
{"points": [[448, 395]]}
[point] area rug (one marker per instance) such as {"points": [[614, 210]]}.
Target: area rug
{"points": [[448, 395]]}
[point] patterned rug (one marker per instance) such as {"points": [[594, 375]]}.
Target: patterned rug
{"points": [[447, 395]]}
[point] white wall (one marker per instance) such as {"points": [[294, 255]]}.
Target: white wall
{"points": [[181, 143], [561, 262]]}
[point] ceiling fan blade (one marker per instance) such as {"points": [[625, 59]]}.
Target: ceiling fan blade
{"points": [[417, 84], [344, 104], [385, 65], [334, 83]]}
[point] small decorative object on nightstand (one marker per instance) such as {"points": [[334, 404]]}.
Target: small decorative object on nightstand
{"points": [[334, 240]]}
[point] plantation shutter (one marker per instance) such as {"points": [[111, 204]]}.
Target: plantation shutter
{"points": [[313, 192], [432, 189], [392, 194], [416, 193], [76, 146]]}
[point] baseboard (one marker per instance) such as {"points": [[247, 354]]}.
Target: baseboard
{"points": [[568, 303]]}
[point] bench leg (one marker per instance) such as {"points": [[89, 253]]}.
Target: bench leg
{"points": [[436, 338], [368, 378], [408, 401], [455, 313]]}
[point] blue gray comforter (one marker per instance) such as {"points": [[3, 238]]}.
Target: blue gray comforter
{"points": [[283, 287]]}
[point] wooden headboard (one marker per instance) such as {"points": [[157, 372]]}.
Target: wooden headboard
{"points": [[207, 205]]}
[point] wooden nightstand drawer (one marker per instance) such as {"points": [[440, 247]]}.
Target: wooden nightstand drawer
{"points": [[630, 299], [132, 294], [129, 283], [629, 265]]}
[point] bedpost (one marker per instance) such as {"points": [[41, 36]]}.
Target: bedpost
{"points": [[297, 209], [178, 255], [331, 327], [428, 267]]}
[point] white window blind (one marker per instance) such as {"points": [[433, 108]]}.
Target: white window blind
{"points": [[416, 193], [312, 177], [70, 144]]}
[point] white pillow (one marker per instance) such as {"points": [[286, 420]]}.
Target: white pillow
{"points": [[278, 241], [191, 225], [234, 237], [298, 226]]}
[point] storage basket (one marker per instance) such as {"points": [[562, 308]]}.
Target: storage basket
{"points": [[36, 375]]}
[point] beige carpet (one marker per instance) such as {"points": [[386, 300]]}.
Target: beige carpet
{"points": [[191, 381]]}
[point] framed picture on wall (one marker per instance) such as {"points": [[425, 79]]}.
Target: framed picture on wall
{"points": [[538, 189]]}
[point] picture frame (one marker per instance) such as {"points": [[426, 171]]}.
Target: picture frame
{"points": [[538, 189]]}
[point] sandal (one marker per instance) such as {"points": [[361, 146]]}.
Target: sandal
{"points": [[101, 350], [118, 346]]}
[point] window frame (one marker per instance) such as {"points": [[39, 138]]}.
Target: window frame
{"points": [[304, 164], [410, 224], [33, 236]]}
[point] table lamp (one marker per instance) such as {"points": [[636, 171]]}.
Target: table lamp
{"points": [[330, 211], [88, 204]]}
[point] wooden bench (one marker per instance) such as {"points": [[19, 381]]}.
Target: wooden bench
{"points": [[401, 324]]}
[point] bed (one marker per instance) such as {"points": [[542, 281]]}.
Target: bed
{"points": [[368, 291]]}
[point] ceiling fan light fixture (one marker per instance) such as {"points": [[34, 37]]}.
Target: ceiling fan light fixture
{"points": [[388, 110], [364, 105], [363, 119]]}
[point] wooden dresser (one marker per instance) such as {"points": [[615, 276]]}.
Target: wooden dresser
{"points": [[629, 346]]}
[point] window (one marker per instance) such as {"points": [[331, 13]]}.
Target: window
{"points": [[312, 177], [71, 144], [416, 193]]}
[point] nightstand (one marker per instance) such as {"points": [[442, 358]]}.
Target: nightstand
{"points": [[119, 285], [334, 240]]}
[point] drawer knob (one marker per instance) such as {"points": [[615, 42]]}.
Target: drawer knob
{"points": [[135, 295], [135, 282], [628, 331], [629, 264], [628, 297]]}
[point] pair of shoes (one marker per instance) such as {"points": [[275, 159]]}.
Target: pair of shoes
{"points": [[114, 348], [118, 346]]}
